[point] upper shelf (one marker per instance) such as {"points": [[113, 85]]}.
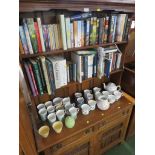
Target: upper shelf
{"points": [[77, 5], [60, 51]]}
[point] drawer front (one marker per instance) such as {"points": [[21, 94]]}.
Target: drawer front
{"points": [[60, 146]]}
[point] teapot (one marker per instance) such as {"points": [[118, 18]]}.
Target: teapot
{"points": [[111, 87]]}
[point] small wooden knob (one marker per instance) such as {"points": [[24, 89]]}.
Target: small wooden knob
{"points": [[118, 107], [102, 114], [87, 122]]}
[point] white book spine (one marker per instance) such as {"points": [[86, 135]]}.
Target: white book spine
{"points": [[72, 35], [79, 34], [119, 55], [50, 34], [41, 34], [53, 37], [68, 79], [63, 32], [90, 65], [68, 32]]}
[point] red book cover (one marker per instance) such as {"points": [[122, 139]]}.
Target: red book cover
{"points": [[38, 37], [33, 79]]}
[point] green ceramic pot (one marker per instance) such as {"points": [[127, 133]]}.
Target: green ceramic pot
{"points": [[69, 122]]}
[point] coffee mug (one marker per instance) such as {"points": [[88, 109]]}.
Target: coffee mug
{"points": [[40, 106], [73, 112], [77, 95], [118, 94], [60, 114], [80, 101], [96, 89], [50, 109], [103, 97], [111, 99], [92, 104], [85, 109], [89, 96], [86, 91], [48, 103], [97, 95], [51, 118], [66, 100], [57, 100], [43, 114]]}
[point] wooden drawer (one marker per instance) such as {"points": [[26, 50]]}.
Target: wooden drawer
{"points": [[68, 142]]}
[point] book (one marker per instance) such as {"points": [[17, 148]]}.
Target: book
{"points": [[118, 61], [41, 34], [59, 36], [27, 36], [125, 37], [106, 27], [63, 31], [91, 32], [79, 34], [101, 26], [68, 77], [72, 35], [55, 28], [38, 37], [95, 66], [107, 68], [37, 76], [21, 50], [42, 58], [68, 32], [23, 39], [81, 16], [51, 34], [74, 72], [87, 31], [46, 37], [32, 32], [75, 30], [82, 33], [97, 31]]}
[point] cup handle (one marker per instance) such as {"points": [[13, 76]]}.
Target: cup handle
{"points": [[78, 109], [118, 87]]}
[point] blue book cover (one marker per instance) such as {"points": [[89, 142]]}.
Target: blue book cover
{"points": [[74, 72], [23, 39], [107, 68]]}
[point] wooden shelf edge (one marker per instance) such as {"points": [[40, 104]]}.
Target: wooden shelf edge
{"points": [[60, 51]]}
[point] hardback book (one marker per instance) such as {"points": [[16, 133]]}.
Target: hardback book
{"points": [[51, 34], [107, 67], [75, 30], [72, 35], [37, 76], [74, 71], [30, 79], [125, 37], [21, 50], [69, 71], [38, 37], [54, 36], [68, 77], [82, 33], [63, 31], [55, 27], [79, 34], [42, 58], [87, 31], [114, 61], [97, 31], [59, 36], [27, 36], [46, 37], [125, 25], [118, 60], [32, 32], [81, 16], [91, 32], [101, 27], [23, 39], [106, 27], [33, 78], [68, 32], [95, 66], [41, 34]]}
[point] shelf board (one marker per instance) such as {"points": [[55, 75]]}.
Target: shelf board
{"points": [[60, 51]]}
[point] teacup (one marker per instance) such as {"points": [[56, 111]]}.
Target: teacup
{"points": [[77, 95], [96, 89], [105, 92], [89, 96], [66, 100], [51, 118], [73, 112], [103, 97], [50, 109], [60, 114], [57, 126], [92, 104], [48, 103], [40, 106], [43, 114], [80, 101], [44, 131], [97, 95], [85, 109], [57, 100], [118, 94], [86, 91], [68, 106], [111, 99]]}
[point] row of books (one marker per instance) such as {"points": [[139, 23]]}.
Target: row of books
{"points": [[46, 74], [75, 31]]}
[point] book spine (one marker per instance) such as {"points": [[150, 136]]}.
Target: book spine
{"points": [[87, 32], [111, 29], [27, 36], [68, 77], [68, 32], [63, 70], [72, 35], [81, 16], [97, 31], [41, 34], [118, 62], [45, 35], [63, 31], [125, 26], [21, 50], [33, 78], [38, 37], [30, 24], [50, 35], [91, 32], [75, 29], [107, 68], [82, 68], [23, 39], [70, 72], [53, 36], [106, 28], [56, 36], [95, 66], [85, 66], [59, 36], [46, 75], [74, 72], [114, 31], [100, 30], [127, 30], [82, 33], [30, 79], [90, 65], [94, 30], [79, 34]]}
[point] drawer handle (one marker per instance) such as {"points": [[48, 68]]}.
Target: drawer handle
{"points": [[87, 131], [56, 147]]}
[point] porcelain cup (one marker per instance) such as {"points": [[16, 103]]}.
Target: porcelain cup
{"points": [[60, 114], [89, 97], [57, 100], [41, 106], [48, 103], [51, 118], [111, 99], [73, 112], [43, 114], [92, 104], [77, 95], [96, 89], [68, 106], [97, 95], [66, 100], [118, 94], [86, 91], [80, 101], [51, 109], [85, 109]]}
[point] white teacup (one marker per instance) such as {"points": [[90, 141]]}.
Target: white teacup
{"points": [[80, 101], [105, 92], [73, 112], [66, 100], [92, 104], [51, 118], [118, 94], [77, 95], [41, 106], [86, 91], [85, 109], [96, 89], [48, 103], [50, 109], [97, 95], [43, 114], [60, 114], [111, 99], [57, 100], [89, 96]]}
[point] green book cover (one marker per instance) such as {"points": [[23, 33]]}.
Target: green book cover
{"points": [[30, 24], [37, 75]]}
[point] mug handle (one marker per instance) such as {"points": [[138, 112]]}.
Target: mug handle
{"points": [[78, 109], [118, 87]]}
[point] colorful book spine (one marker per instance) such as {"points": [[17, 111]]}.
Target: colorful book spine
{"points": [[50, 31], [45, 74], [21, 50], [63, 31], [87, 31], [27, 36], [79, 34], [23, 39], [81, 16], [82, 33], [106, 27], [30, 24], [72, 35], [114, 31], [100, 30], [46, 37], [38, 37], [68, 32], [41, 34], [30, 79], [75, 29], [90, 65]]}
